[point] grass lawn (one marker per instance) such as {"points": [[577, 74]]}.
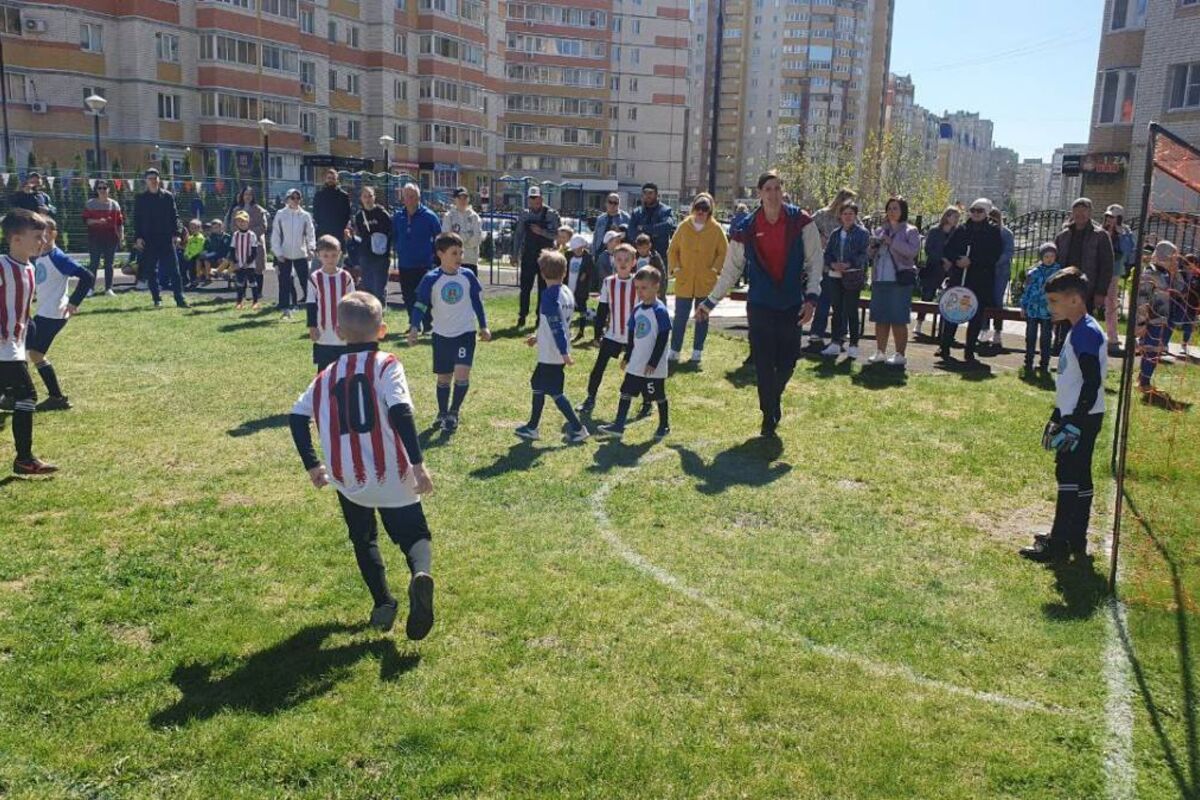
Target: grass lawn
{"points": [[839, 615]]}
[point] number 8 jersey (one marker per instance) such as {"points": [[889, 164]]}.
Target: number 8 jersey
{"points": [[349, 403]]}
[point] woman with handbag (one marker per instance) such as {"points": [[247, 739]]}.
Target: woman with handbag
{"points": [[371, 228], [846, 268], [933, 274], [293, 242], [894, 247]]}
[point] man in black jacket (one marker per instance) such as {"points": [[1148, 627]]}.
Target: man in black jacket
{"points": [[973, 250], [30, 196], [331, 208], [156, 222]]}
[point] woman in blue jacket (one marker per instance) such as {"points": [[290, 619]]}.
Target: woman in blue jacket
{"points": [[846, 263]]}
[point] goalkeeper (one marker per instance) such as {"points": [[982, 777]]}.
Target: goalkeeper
{"points": [[1078, 414]]}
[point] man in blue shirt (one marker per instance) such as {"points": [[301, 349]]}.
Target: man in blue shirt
{"points": [[653, 219], [414, 229]]}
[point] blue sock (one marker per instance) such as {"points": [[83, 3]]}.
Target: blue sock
{"points": [[564, 405], [539, 402], [623, 410], [460, 392], [443, 397]]}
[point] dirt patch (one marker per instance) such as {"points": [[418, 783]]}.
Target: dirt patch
{"points": [[17, 586], [135, 636], [234, 500], [1016, 527], [847, 485]]}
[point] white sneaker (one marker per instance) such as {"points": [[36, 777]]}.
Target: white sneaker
{"points": [[140, 286], [876, 358], [852, 352], [672, 356], [581, 434], [897, 360], [920, 328], [111, 293], [696, 355], [834, 349]]}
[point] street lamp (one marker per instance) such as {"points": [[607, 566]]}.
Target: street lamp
{"points": [[266, 124], [96, 104], [385, 142]]}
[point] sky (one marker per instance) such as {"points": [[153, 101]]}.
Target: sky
{"points": [[1027, 65]]}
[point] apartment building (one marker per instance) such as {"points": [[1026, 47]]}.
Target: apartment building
{"points": [[591, 94], [909, 124], [964, 155], [1064, 188], [1031, 191]]}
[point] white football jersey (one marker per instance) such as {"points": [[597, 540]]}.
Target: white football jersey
{"points": [[645, 326], [16, 298], [325, 291], [557, 304], [620, 296], [455, 300]]}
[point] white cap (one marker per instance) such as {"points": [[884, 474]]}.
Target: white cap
{"points": [[983, 203], [610, 235], [1115, 210], [577, 241], [534, 191], [294, 190]]}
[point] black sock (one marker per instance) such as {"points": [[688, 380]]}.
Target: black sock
{"points": [[370, 565], [46, 370], [22, 426], [535, 415], [460, 393], [663, 415], [420, 556], [623, 410], [564, 405], [1064, 512], [443, 397]]}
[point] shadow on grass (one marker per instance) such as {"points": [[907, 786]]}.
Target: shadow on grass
{"points": [[280, 677], [751, 463], [880, 376], [94, 311], [968, 372], [1186, 777], [831, 367], [511, 332], [1039, 380], [262, 424], [433, 437], [1082, 590], [1157, 398], [521, 456], [257, 322], [741, 377], [613, 453]]}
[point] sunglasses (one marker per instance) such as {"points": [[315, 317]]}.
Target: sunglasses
{"points": [[702, 209], [613, 202], [978, 211]]}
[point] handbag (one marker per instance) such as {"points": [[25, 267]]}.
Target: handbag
{"points": [[853, 280], [379, 241], [906, 277]]}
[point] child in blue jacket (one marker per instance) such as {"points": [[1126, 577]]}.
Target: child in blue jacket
{"points": [[1036, 310]]}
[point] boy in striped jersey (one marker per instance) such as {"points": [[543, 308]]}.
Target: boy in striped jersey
{"points": [[645, 358], [618, 297], [442, 292], [53, 272], [244, 250], [364, 417], [555, 309], [25, 232], [326, 287]]}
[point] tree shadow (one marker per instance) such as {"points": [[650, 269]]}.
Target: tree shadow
{"points": [[1187, 778], [280, 677], [262, 424], [520, 457], [750, 463], [1081, 588], [880, 376], [741, 377], [613, 453]]}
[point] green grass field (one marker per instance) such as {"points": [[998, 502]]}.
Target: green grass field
{"points": [[841, 615]]}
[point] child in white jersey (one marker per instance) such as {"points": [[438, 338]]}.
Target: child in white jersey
{"points": [[53, 272], [443, 291], [244, 251], [618, 297], [364, 417], [553, 349], [579, 277], [645, 358], [326, 287]]}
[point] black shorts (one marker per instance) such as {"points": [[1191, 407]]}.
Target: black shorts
{"points": [[548, 378], [42, 331], [326, 354], [653, 389], [15, 380], [450, 351]]}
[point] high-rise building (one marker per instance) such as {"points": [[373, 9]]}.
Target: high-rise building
{"points": [[791, 72], [910, 124], [592, 96], [965, 155], [1148, 69], [1064, 189], [1001, 177], [1032, 188]]}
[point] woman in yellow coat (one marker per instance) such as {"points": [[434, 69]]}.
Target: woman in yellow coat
{"points": [[696, 255]]}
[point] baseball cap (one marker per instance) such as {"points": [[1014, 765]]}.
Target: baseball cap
{"points": [[152, 171], [983, 203], [534, 191], [461, 192], [294, 191], [610, 235], [1115, 210]]}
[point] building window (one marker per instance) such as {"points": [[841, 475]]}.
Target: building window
{"points": [[280, 8], [352, 36], [1185, 85], [167, 45], [635, 55], [612, 111], [308, 124], [308, 74], [275, 167], [1117, 91], [352, 83], [400, 45], [280, 60], [633, 84], [333, 127], [633, 113], [631, 142], [226, 48], [168, 106], [353, 130], [637, 27], [1129, 14], [331, 32], [333, 80], [402, 5], [400, 134], [10, 20], [91, 37], [308, 21], [88, 91], [400, 90]]}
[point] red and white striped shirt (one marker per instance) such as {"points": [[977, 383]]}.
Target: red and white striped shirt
{"points": [[244, 245], [16, 300], [325, 291], [620, 296], [349, 403]]}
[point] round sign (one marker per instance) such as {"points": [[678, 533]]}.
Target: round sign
{"points": [[958, 305]]}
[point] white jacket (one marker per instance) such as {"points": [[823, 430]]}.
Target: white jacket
{"points": [[293, 235], [467, 225]]}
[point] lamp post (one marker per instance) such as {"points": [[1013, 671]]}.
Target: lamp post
{"points": [[385, 142], [96, 104], [266, 124]]}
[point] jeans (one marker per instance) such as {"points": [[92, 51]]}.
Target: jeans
{"points": [[820, 320], [845, 311], [375, 274], [775, 338], [1038, 331], [102, 253], [287, 289], [683, 310], [1154, 344], [161, 256]]}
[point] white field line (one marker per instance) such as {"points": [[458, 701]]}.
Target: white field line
{"points": [[868, 665], [1119, 770]]}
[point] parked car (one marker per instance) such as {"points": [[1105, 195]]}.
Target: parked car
{"points": [[497, 235]]}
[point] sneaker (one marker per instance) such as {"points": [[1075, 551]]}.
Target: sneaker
{"points": [[420, 607], [832, 350], [580, 434], [183, 304], [140, 286], [696, 356], [383, 617], [672, 356], [896, 360], [612, 429], [240, 305], [287, 314], [450, 423], [1045, 550], [587, 406], [439, 422], [662, 432], [158, 303], [33, 466], [520, 322], [111, 293], [876, 358], [7, 403], [942, 354], [645, 410], [815, 344], [526, 432], [257, 305], [852, 352], [54, 404], [90, 292], [767, 431]]}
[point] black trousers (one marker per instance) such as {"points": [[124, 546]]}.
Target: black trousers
{"points": [[405, 526], [17, 383], [1073, 471], [529, 275], [410, 279], [775, 340], [102, 253], [608, 351]]}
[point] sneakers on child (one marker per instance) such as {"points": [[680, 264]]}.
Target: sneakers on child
{"points": [[158, 303], [1044, 550], [696, 356], [287, 314], [852, 352], [877, 357], [383, 616], [34, 466], [672, 356], [420, 607], [439, 422], [587, 406], [896, 360], [612, 429], [450, 423], [834, 349], [54, 404], [526, 432], [110, 293], [580, 434], [240, 305], [645, 411], [662, 432]]}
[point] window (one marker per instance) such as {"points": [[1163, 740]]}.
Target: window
{"points": [[10, 20], [214, 47], [449, 47], [91, 37], [1117, 94], [333, 127], [88, 91], [631, 141], [352, 83], [275, 167], [400, 134], [280, 60], [168, 106], [279, 111], [247, 4], [332, 32], [353, 130], [612, 111], [280, 8], [352, 36], [637, 27], [1129, 14], [402, 5], [633, 113], [400, 45], [308, 123], [1185, 86], [635, 55], [333, 80], [633, 84], [308, 73], [308, 21], [167, 45], [17, 92], [400, 90]]}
